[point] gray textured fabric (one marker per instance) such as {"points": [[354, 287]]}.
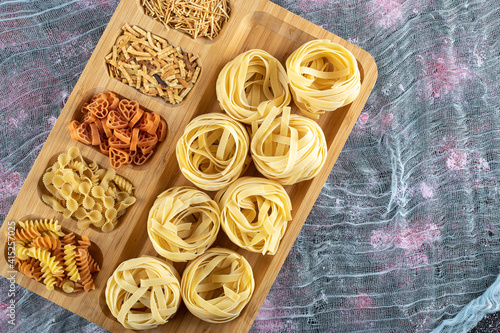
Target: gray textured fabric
{"points": [[406, 230]]}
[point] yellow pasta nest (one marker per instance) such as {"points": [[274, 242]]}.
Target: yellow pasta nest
{"points": [[183, 223], [249, 86], [217, 285], [254, 213], [143, 293], [288, 149], [324, 76], [213, 151]]}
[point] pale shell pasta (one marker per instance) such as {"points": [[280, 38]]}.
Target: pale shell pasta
{"points": [[143, 293], [324, 76], [288, 149], [217, 285], [213, 151], [94, 197], [254, 213], [183, 223], [250, 85]]}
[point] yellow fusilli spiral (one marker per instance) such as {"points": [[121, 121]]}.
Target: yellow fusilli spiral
{"points": [[43, 225], [46, 260], [70, 262], [124, 184], [21, 250]]}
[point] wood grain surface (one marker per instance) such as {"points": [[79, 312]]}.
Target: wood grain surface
{"points": [[252, 24]]}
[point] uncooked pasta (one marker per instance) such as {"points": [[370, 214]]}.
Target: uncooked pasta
{"points": [[324, 76], [250, 85], [217, 285], [254, 213], [183, 223]]}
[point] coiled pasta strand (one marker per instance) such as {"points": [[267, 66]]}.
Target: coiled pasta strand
{"points": [[124, 184]]}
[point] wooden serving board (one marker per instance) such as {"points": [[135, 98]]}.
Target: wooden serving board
{"points": [[253, 24]]}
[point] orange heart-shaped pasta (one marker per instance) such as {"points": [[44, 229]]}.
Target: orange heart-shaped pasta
{"points": [[114, 142], [116, 120], [128, 108], [99, 107], [124, 134], [161, 133], [140, 158], [112, 100]]}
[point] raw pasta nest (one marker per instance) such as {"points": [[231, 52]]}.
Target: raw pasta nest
{"points": [[143, 292], [288, 149], [183, 223], [213, 151], [254, 213], [249, 86], [217, 285], [316, 86]]}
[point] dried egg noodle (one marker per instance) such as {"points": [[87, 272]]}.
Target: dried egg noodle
{"points": [[143, 292], [183, 223], [288, 149], [315, 86], [217, 285], [213, 151], [254, 213], [249, 86]]}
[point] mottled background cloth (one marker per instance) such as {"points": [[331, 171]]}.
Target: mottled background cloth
{"points": [[406, 231]]}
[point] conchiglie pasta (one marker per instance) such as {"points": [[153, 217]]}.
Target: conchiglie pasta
{"points": [[254, 213], [143, 293], [213, 151], [183, 223], [93, 196], [217, 285], [324, 76], [250, 85]]}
